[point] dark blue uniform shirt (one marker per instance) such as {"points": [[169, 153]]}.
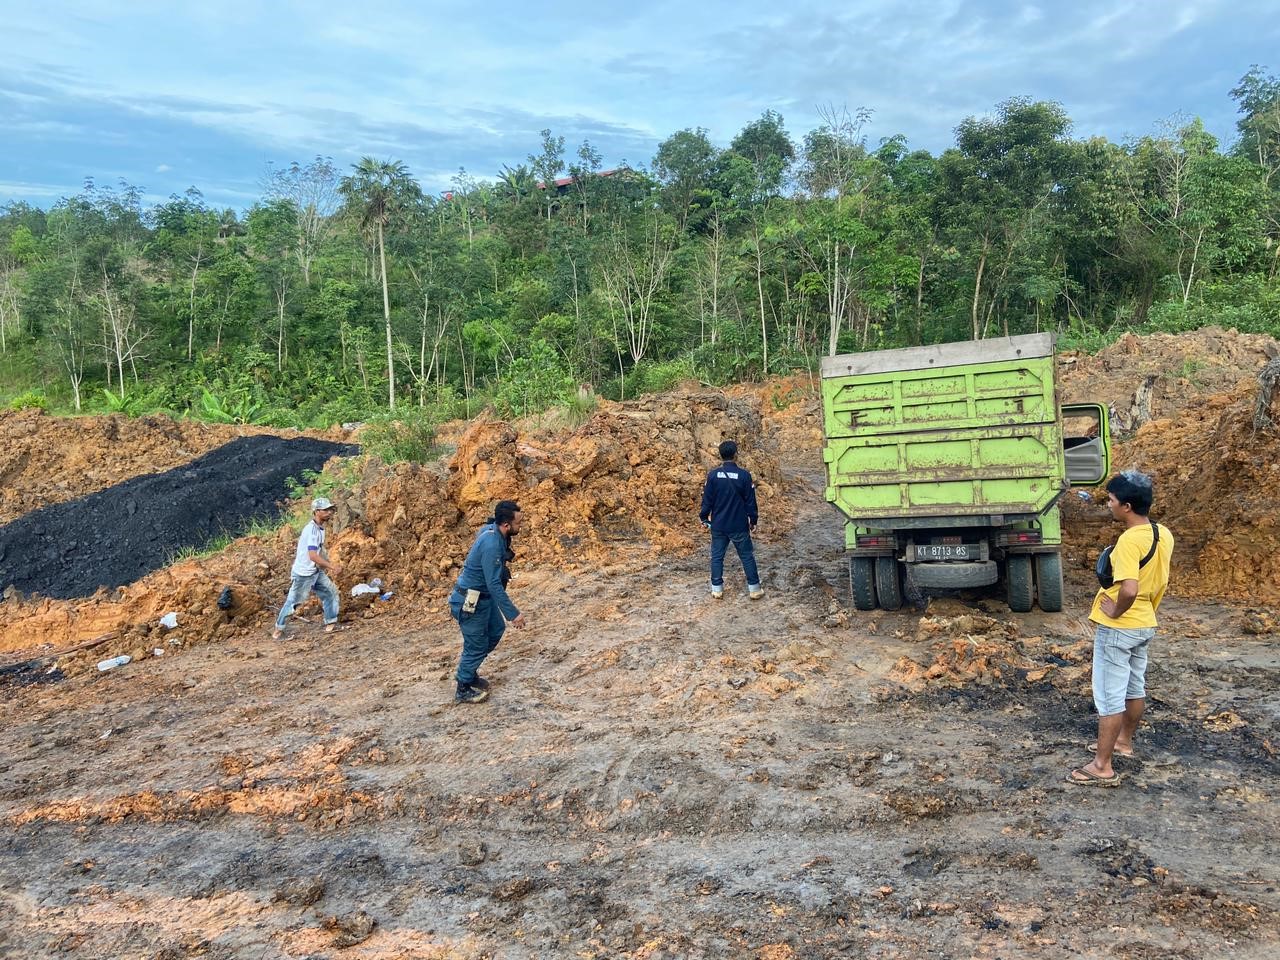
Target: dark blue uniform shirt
{"points": [[483, 570], [729, 499]]}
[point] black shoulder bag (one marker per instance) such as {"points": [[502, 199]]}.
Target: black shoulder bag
{"points": [[1103, 570]]}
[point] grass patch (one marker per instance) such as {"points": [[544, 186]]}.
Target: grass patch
{"points": [[261, 527], [408, 438]]}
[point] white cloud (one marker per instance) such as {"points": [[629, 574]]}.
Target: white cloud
{"points": [[41, 191], [440, 86]]}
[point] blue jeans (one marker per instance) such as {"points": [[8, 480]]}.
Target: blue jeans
{"points": [[300, 587], [746, 553], [481, 632]]}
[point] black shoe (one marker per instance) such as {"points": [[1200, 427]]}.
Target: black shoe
{"points": [[470, 694], [480, 683]]}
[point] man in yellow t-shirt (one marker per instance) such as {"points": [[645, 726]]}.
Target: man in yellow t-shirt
{"points": [[1126, 617]]}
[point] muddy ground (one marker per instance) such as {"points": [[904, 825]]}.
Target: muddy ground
{"points": [[656, 775]]}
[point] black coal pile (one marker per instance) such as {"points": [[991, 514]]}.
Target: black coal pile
{"points": [[118, 535]]}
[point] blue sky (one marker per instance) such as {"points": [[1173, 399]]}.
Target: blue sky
{"points": [[174, 94]]}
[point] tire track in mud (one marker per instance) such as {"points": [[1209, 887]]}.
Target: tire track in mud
{"points": [[656, 775]]}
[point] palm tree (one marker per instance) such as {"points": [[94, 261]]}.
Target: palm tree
{"points": [[377, 191], [516, 183]]}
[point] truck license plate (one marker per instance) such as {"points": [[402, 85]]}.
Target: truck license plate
{"points": [[944, 551]]}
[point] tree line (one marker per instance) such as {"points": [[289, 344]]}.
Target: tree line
{"points": [[341, 293]]}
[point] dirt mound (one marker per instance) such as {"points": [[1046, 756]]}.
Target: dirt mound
{"points": [[1197, 411], [46, 460], [627, 482], [1163, 374], [119, 534], [974, 648], [1217, 476], [790, 410], [630, 478]]}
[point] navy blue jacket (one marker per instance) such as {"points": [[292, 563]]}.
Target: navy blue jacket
{"points": [[483, 569], [729, 499]]}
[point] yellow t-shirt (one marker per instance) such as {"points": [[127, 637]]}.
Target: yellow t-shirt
{"points": [[1152, 579]]}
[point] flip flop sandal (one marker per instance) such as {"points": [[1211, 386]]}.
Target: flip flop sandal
{"points": [[1080, 777], [1093, 748]]}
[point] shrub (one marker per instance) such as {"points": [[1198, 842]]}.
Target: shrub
{"points": [[239, 407], [131, 404], [408, 436], [31, 400]]}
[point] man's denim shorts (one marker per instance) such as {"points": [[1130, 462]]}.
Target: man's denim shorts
{"points": [[1119, 667]]}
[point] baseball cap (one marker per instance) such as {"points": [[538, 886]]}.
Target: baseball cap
{"points": [[321, 503]]}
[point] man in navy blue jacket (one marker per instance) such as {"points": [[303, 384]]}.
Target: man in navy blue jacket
{"points": [[729, 509], [479, 601]]}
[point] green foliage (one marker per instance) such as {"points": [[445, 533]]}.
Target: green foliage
{"points": [[261, 527], [579, 408], [320, 483], [1087, 339], [409, 436], [236, 408], [297, 486], [132, 404], [662, 376], [31, 400], [534, 382], [1190, 370], [309, 308]]}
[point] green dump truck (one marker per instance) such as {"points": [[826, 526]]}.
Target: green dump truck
{"points": [[948, 463]]}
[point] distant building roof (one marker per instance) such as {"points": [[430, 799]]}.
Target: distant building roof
{"points": [[563, 182]]}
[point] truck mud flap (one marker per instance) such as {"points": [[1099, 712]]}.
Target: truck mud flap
{"points": [[943, 576]]}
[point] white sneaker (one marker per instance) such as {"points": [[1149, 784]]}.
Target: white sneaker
{"points": [[755, 591], [717, 593]]}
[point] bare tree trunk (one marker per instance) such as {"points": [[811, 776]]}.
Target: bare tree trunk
{"points": [[633, 281], [386, 312], [920, 300], [281, 291], [1191, 272], [422, 360], [717, 251], [191, 304], [977, 288], [8, 309], [764, 329], [116, 339]]}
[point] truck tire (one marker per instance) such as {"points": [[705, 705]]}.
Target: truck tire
{"points": [[954, 576], [1049, 581], [1017, 568], [888, 583], [862, 585]]}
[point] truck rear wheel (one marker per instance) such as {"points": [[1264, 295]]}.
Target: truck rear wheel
{"points": [[888, 583], [862, 582], [1017, 571], [1049, 581]]}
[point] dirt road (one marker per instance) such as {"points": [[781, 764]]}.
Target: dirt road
{"points": [[657, 775]]}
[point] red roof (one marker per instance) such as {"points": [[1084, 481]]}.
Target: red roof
{"points": [[566, 181]]}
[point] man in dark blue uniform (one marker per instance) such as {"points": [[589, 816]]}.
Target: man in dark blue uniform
{"points": [[729, 509], [479, 601]]}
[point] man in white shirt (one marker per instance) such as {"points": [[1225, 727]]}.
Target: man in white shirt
{"points": [[311, 570]]}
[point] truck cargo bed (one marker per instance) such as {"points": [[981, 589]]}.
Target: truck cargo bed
{"points": [[949, 431]]}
